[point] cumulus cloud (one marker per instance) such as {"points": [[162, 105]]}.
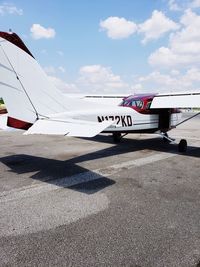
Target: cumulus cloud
{"points": [[62, 69], [91, 79], [184, 45], [53, 70], [174, 6], [169, 82], [195, 4], [95, 78], [99, 79], [118, 28], [49, 70], [10, 9], [180, 5], [38, 32], [156, 26], [152, 28], [63, 86]]}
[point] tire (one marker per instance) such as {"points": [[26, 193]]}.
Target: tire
{"points": [[182, 146], [116, 137]]}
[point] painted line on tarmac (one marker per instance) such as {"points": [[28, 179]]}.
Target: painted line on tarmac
{"points": [[91, 175]]}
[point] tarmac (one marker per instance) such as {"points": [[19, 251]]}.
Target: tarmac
{"points": [[89, 202]]}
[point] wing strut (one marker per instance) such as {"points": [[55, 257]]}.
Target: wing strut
{"points": [[188, 119]]}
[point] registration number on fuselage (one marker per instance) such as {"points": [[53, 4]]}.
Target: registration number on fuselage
{"points": [[124, 120]]}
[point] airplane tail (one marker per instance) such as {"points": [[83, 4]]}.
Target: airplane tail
{"points": [[33, 102], [24, 86]]}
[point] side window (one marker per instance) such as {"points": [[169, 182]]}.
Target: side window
{"points": [[123, 103], [148, 104], [139, 104], [132, 103]]}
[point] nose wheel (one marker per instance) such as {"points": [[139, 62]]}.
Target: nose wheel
{"points": [[182, 146]]}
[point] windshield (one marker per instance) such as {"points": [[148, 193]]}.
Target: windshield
{"points": [[132, 103]]}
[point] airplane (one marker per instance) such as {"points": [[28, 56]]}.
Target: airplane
{"points": [[34, 104]]}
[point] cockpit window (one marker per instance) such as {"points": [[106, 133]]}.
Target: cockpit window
{"points": [[139, 103], [132, 103], [124, 102], [136, 103]]}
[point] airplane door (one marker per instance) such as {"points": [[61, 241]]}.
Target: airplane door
{"points": [[164, 119]]}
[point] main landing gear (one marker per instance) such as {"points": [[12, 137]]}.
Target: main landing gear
{"points": [[182, 146], [117, 137]]}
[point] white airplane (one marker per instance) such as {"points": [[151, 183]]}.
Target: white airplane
{"points": [[37, 106]]}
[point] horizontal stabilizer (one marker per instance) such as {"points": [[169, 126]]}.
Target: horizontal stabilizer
{"points": [[71, 127], [177, 100]]}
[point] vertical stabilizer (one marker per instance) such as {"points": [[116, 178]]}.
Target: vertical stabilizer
{"points": [[24, 86]]}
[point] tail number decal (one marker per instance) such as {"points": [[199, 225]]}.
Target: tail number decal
{"points": [[125, 120]]}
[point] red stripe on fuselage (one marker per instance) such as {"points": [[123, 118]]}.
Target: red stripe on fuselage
{"points": [[18, 124]]}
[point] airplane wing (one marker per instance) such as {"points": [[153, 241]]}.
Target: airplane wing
{"points": [[70, 127], [177, 100]]}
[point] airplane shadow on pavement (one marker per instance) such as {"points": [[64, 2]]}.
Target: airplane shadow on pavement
{"points": [[68, 174], [153, 143], [60, 173]]}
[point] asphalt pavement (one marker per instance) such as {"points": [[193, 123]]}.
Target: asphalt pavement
{"points": [[88, 202]]}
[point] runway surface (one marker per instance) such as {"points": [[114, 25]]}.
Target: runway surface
{"points": [[88, 202]]}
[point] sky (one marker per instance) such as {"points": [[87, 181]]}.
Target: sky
{"points": [[111, 46]]}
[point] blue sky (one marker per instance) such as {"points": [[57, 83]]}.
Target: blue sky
{"points": [[111, 46]]}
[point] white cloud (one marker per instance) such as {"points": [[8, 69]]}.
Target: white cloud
{"points": [[174, 72], [96, 78], [52, 70], [118, 28], [10, 9], [181, 5], [49, 70], [168, 82], [174, 6], [63, 86], [152, 28], [92, 79], [38, 32], [156, 26], [137, 88], [62, 69], [166, 57], [184, 45], [195, 4]]}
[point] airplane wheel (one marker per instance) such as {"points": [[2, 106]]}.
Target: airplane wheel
{"points": [[182, 146], [116, 137]]}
